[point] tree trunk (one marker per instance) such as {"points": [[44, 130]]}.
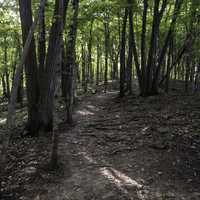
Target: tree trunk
{"points": [[3, 84], [166, 43], [63, 63], [130, 53], [30, 67], [143, 45], [89, 56], [187, 73], [7, 84], [107, 35], [168, 71], [197, 78], [151, 64], [42, 44], [53, 61], [6, 69], [13, 97], [98, 62], [122, 54], [84, 70], [71, 63]]}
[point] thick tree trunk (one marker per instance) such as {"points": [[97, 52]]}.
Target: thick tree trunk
{"points": [[63, 63], [151, 64], [130, 53], [42, 44], [17, 56], [53, 61], [166, 43], [13, 97], [30, 67], [136, 61], [143, 45], [71, 63], [122, 54]]}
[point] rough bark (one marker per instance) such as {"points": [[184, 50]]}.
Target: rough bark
{"points": [[13, 97], [3, 84], [107, 35], [42, 44], [84, 69], [151, 63], [53, 61], [143, 44], [166, 44], [122, 54], [31, 72], [6, 72], [63, 63], [130, 53], [71, 62], [98, 63], [89, 55]]}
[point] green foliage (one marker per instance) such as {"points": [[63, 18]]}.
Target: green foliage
{"points": [[97, 13]]}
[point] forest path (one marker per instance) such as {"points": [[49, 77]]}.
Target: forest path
{"points": [[91, 149], [124, 149]]}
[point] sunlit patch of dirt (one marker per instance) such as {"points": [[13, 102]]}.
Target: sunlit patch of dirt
{"points": [[118, 149]]}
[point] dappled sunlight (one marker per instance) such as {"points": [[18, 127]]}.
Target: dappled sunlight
{"points": [[25, 117], [3, 104], [92, 107], [119, 179], [88, 158], [123, 182], [104, 95], [2, 121], [145, 130], [85, 112]]}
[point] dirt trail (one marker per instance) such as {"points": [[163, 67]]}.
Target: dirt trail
{"points": [[116, 152], [119, 149]]}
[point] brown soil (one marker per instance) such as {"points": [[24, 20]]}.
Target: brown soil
{"points": [[118, 149]]}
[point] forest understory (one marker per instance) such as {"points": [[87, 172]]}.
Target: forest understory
{"points": [[130, 148]]}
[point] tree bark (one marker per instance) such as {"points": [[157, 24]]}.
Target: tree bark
{"points": [[32, 88], [16, 82], [53, 61], [84, 69], [151, 64], [42, 44], [122, 54], [98, 62], [63, 63], [130, 53], [107, 35], [3, 85], [6, 69], [143, 44], [166, 43], [71, 62]]}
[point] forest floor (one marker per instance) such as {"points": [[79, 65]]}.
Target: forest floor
{"points": [[118, 149]]}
